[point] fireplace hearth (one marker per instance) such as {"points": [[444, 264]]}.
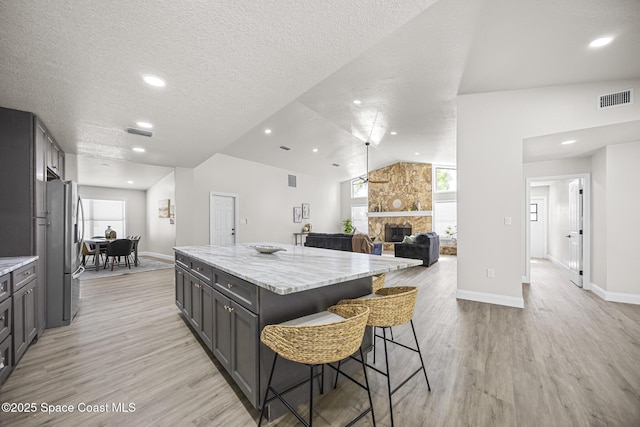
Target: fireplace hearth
{"points": [[396, 233]]}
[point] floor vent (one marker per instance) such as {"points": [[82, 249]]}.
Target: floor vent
{"points": [[139, 132], [609, 100]]}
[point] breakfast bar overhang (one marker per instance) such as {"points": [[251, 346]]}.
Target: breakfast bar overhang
{"points": [[228, 293]]}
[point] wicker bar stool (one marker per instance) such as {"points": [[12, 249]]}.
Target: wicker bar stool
{"points": [[377, 282], [317, 339], [391, 307]]}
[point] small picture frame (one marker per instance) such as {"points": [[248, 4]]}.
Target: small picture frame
{"points": [[306, 211], [297, 214]]}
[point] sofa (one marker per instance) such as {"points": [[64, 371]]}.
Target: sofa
{"points": [[336, 241], [426, 246]]}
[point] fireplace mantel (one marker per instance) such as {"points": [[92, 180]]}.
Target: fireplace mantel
{"points": [[399, 213]]}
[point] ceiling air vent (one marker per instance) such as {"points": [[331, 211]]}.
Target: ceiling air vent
{"points": [[139, 131], [284, 147], [609, 100]]}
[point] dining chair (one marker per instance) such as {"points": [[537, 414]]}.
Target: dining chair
{"points": [[87, 252], [119, 248]]}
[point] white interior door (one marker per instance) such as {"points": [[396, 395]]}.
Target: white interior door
{"points": [[575, 231], [222, 219], [538, 224]]}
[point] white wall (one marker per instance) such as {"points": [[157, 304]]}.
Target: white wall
{"points": [[136, 208], [490, 131], [265, 200], [623, 205], [161, 234], [569, 166], [599, 218]]}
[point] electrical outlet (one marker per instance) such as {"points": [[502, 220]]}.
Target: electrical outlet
{"points": [[491, 273], [507, 220]]}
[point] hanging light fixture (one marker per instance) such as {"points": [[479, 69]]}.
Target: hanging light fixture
{"points": [[372, 181]]}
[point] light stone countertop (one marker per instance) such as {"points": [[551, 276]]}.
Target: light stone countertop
{"points": [[298, 269], [9, 264]]}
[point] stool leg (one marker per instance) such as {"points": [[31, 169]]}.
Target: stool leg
{"points": [[266, 393], [310, 396], [335, 384], [420, 354], [322, 381], [386, 361], [366, 381], [375, 328]]}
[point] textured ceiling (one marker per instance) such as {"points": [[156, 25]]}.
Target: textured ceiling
{"points": [[234, 68]]}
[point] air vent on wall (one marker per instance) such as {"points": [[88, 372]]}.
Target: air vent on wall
{"points": [[292, 181], [616, 99], [139, 131]]}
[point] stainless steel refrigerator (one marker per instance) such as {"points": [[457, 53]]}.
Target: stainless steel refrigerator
{"points": [[64, 252]]}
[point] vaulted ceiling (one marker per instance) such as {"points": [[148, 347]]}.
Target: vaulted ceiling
{"points": [[236, 68]]}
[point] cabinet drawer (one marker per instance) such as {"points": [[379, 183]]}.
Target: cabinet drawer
{"points": [[182, 261], [202, 271], [23, 275], [5, 319], [5, 359], [5, 281], [244, 293]]}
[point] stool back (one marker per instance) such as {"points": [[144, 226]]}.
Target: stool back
{"points": [[319, 344], [390, 306]]}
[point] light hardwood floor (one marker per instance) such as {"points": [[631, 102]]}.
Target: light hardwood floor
{"points": [[567, 359]]}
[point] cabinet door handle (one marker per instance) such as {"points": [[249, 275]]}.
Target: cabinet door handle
{"points": [[26, 273], [179, 273], [230, 309], [229, 285], [2, 319]]}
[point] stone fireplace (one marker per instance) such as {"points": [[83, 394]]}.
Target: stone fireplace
{"points": [[403, 202]]}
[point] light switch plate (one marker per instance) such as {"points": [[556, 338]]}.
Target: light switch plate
{"points": [[507, 220]]}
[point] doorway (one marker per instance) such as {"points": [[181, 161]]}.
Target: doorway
{"points": [[222, 218], [567, 239]]}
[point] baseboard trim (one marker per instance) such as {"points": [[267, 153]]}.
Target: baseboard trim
{"points": [[558, 262], [490, 298], [157, 255], [622, 297]]}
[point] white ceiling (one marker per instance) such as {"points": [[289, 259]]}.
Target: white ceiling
{"points": [[234, 68]]}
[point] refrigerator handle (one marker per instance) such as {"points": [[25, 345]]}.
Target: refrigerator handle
{"points": [[78, 272]]}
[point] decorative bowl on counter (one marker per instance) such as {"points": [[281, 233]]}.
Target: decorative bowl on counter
{"points": [[265, 249]]}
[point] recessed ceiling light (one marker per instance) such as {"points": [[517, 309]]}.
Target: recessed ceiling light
{"points": [[570, 141], [138, 149], [267, 131], [357, 101], [145, 125], [129, 182], [154, 81], [416, 153], [393, 133], [315, 150], [602, 41]]}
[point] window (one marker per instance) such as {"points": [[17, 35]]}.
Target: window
{"points": [[359, 188], [445, 180], [99, 214], [359, 218], [444, 217]]}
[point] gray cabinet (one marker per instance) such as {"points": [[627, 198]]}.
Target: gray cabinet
{"points": [[216, 305], [41, 272], [24, 319], [181, 281], [6, 324], [235, 342], [40, 169]]}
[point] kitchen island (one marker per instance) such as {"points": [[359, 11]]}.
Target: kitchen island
{"points": [[228, 293]]}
